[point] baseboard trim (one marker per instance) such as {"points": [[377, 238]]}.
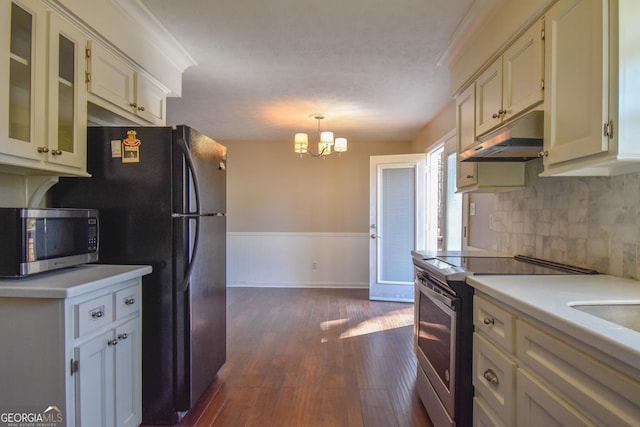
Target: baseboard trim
{"points": [[300, 286]]}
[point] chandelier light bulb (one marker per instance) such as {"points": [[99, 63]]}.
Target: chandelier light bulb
{"points": [[301, 143], [340, 145]]}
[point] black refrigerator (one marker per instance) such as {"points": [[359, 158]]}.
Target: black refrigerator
{"points": [[161, 193]]}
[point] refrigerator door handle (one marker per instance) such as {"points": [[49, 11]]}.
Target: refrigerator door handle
{"points": [[192, 216], [182, 144], [182, 215]]}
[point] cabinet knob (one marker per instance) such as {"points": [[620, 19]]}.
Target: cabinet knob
{"points": [[543, 154], [491, 376], [129, 301], [56, 152], [501, 112], [488, 321], [123, 336], [141, 108], [374, 236], [43, 150], [469, 176], [97, 314], [133, 104], [112, 342]]}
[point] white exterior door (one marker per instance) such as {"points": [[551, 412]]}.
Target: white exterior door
{"points": [[397, 224]]}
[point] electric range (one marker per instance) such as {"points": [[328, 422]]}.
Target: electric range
{"points": [[444, 326]]}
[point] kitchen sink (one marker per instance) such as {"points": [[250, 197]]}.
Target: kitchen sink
{"points": [[624, 314]]}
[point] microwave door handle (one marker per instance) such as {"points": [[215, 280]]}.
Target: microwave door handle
{"points": [[191, 216]]}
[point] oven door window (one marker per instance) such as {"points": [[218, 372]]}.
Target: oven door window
{"points": [[436, 335]]}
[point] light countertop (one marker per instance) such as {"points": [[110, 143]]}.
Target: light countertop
{"points": [[70, 282], [549, 299]]}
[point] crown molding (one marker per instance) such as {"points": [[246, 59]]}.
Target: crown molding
{"points": [[157, 33], [476, 17]]}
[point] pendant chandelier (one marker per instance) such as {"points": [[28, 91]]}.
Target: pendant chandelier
{"points": [[326, 144]]}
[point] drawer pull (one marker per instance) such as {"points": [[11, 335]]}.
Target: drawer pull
{"points": [[491, 376], [488, 320], [123, 336], [130, 301], [112, 342], [97, 314]]}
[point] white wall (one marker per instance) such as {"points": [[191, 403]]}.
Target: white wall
{"points": [[286, 212], [337, 260]]}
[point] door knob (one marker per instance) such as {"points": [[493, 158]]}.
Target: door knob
{"points": [[374, 236]]}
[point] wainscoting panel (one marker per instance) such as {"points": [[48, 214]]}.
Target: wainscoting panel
{"points": [[331, 260]]}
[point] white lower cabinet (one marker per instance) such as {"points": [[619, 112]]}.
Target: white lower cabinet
{"points": [[539, 406], [108, 383], [528, 374], [95, 381], [82, 355], [127, 374]]}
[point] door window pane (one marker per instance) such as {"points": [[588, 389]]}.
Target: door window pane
{"points": [[397, 230]]}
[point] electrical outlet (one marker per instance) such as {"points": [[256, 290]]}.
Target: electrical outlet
{"points": [[472, 209]]}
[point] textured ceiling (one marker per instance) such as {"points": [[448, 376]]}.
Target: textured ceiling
{"points": [[265, 66]]}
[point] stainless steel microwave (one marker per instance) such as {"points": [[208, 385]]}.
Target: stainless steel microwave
{"points": [[38, 240]]}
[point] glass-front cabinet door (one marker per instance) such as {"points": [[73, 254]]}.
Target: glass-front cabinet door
{"points": [[22, 118], [67, 97], [43, 114]]}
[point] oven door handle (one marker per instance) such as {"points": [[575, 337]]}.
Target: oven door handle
{"points": [[452, 303]]}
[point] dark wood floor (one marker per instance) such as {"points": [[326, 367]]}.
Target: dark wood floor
{"points": [[314, 357]]}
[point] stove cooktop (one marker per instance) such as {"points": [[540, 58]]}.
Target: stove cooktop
{"points": [[518, 265]]}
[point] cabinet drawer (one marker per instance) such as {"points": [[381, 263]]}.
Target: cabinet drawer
{"points": [[600, 392], [93, 314], [494, 377], [495, 323], [128, 301]]}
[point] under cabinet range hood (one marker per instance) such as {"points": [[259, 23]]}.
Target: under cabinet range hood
{"points": [[517, 141]]}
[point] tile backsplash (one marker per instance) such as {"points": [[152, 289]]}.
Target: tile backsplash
{"points": [[590, 222]]}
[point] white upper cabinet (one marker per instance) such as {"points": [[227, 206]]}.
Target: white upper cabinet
{"points": [[151, 100], [523, 72], [592, 110], [67, 96], [22, 44], [489, 98], [513, 83], [109, 77], [483, 176], [56, 56], [577, 73], [118, 86], [43, 113]]}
